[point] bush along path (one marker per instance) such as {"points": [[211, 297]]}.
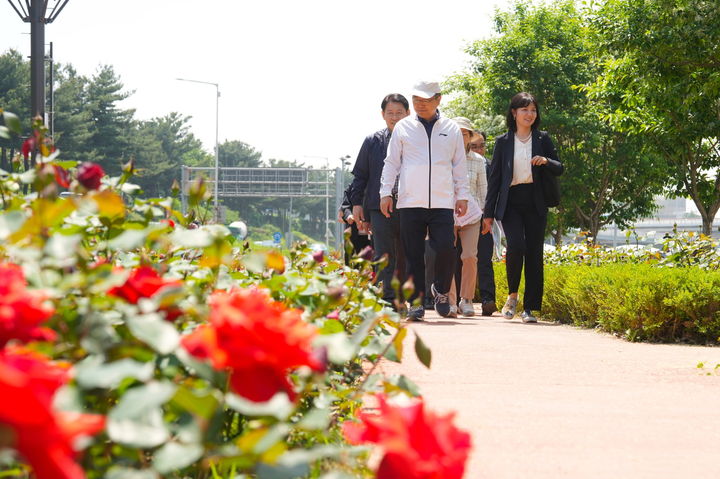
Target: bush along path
{"points": [[135, 344]]}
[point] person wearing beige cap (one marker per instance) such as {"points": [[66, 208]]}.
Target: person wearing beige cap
{"points": [[427, 154], [467, 228]]}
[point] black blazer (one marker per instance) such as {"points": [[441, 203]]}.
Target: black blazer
{"points": [[501, 172]]}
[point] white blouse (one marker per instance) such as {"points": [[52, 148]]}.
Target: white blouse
{"points": [[522, 169]]}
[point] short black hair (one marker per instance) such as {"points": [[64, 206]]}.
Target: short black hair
{"points": [[521, 100], [481, 133], [397, 98]]}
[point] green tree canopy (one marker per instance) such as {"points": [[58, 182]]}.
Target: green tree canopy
{"points": [[546, 50], [663, 82]]}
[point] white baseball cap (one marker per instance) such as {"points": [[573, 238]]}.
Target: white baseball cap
{"points": [[426, 89]]}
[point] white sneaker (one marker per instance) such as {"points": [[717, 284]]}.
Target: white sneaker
{"points": [[453, 311], [466, 307], [508, 311]]}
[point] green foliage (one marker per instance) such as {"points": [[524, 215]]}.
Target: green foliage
{"points": [[546, 49], [662, 82], [170, 414], [637, 301]]}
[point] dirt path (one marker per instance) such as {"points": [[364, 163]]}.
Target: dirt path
{"points": [[549, 401]]}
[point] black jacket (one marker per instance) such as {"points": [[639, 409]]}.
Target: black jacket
{"points": [[501, 172], [368, 170]]}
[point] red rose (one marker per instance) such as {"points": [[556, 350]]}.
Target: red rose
{"points": [[44, 437], [258, 340], [168, 222], [143, 282], [21, 310], [90, 174], [61, 176], [417, 444], [28, 146]]}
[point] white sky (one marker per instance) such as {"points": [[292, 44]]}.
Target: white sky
{"points": [[299, 80]]}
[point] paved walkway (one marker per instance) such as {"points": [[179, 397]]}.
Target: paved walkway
{"points": [[550, 401]]}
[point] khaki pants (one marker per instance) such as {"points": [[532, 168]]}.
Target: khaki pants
{"points": [[468, 236]]}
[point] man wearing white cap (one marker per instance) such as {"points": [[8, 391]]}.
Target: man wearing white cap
{"points": [[427, 153]]}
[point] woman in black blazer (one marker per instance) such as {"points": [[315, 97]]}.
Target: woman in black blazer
{"points": [[515, 197]]}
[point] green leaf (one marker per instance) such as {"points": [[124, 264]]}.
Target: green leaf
{"points": [[137, 420], [315, 420], [128, 240], [143, 398], [279, 406], [422, 351], [266, 471], [339, 348], [197, 238], [203, 405], [63, 247], [12, 122], [155, 331], [91, 372], [173, 456], [126, 473], [332, 326], [11, 222]]}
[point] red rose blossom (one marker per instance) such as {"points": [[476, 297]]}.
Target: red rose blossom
{"points": [[61, 176], [143, 282], [258, 340], [21, 310], [90, 174], [42, 436], [417, 444]]}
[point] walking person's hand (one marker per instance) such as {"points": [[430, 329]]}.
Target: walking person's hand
{"points": [[386, 206], [358, 213], [538, 160], [461, 207], [487, 225]]}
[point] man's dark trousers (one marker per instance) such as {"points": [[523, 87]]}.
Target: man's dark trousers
{"points": [[387, 240], [438, 224], [486, 274]]}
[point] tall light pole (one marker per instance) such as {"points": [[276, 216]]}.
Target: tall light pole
{"points": [[37, 13], [217, 146]]}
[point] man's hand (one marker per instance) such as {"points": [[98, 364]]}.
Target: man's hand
{"points": [[487, 225], [358, 213], [350, 219], [386, 206], [461, 207], [538, 160]]}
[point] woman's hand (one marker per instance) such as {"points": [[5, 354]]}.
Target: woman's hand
{"points": [[487, 225], [538, 160]]}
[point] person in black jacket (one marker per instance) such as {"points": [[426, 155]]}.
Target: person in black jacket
{"points": [[515, 196], [358, 239], [365, 196]]}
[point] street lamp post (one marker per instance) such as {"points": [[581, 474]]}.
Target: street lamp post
{"points": [[37, 13], [217, 146]]}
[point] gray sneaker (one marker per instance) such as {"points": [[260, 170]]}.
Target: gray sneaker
{"points": [[415, 313], [527, 317], [508, 311], [453, 311], [466, 308], [442, 302]]}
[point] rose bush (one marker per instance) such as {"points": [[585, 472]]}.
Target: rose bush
{"points": [[155, 346]]}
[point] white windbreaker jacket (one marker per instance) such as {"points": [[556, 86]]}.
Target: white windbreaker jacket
{"points": [[433, 173]]}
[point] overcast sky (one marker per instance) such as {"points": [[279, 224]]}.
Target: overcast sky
{"points": [[299, 80]]}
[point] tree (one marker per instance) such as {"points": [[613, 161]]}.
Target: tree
{"points": [[546, 50], [664, 84], [162, 146], [72, 117], [238, 153], [111, 126], [14, 97]]}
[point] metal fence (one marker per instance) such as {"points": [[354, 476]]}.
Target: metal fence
{"points": [[289, 183]]}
